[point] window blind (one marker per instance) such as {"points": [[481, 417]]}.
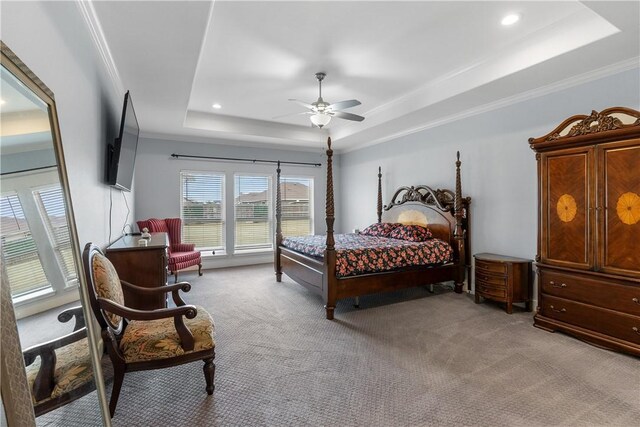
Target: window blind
{"points": [[20, 254], [52, 207], [297, 205], [202, 209], [252, 211]]}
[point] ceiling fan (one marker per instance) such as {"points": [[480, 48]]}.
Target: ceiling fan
{"points": [[321, 111]]}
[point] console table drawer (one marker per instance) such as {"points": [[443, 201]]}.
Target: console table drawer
{"points": [[601, 293], [619, 325]]}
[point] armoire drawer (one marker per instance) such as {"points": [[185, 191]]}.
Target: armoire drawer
{"points": [[491, 267], [620, 325], [601, 293]]}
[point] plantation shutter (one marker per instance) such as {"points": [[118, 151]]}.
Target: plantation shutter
{"points": [[297, 206], [51, 202], [252, 211], [20, 254], [202, 209]]}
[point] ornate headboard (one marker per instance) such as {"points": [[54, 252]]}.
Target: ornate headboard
{"points": [[424, 206], [445, 212]]}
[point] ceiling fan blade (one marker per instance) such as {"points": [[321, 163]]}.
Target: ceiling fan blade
{"points": [[304, 104], [344, 104], [347, 116], [291, 114]]}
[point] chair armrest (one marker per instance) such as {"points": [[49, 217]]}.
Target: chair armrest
{"points": [[44, 382], [174, 289], [183, 247], [32, 352], [69, 313], [188, 311]]}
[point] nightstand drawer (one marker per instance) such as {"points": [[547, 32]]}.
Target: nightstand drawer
{"points": [[599, 292], [488, 290], [491, 280], [608, 322], [491, 267]]}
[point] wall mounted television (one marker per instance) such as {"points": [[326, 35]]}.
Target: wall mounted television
{"points": [[121, 154]]}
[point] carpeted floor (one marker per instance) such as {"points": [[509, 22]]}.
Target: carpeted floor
{"points": [[409, 358]]}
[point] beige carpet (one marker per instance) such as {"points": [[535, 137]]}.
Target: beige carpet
{"points": [[404, 359]]}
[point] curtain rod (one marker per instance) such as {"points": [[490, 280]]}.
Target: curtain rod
{"points": [[177, 156]]}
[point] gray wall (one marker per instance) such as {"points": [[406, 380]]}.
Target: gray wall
{"points": [[51, 38], [157, 178], [498, 168], [28, 160]]}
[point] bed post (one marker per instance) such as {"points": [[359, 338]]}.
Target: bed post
{"points": [[329, 276], [278, 242], [458, 233], [379, 211]]}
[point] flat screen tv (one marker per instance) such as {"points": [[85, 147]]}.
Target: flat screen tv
{"points": [[121, 155]]}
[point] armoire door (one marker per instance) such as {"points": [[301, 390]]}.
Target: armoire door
{"points": [[568, 193], [618, 208]]}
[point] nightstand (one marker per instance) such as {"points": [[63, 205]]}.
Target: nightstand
{"points": [[503, 278]]}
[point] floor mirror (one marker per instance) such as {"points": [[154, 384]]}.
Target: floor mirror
{"points": [[51, 357]]}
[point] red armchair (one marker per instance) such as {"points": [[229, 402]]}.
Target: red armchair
{"points": [[181, 255]]}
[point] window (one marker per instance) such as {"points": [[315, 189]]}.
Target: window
{"points": [[19, 252], [202, 209], [53, 211], [252, 211], [296, 195]]}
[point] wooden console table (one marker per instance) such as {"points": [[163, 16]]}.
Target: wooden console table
{"points": [[144, 266]]}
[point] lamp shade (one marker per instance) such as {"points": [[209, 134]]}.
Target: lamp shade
{"points": [[320, 120]]}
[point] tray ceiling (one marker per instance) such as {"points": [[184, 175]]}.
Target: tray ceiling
{"points": [[412, 64]]}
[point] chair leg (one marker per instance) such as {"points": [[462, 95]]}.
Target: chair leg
{"points": [[118, 378], [209, 372], [200, 269], [175, 276]]}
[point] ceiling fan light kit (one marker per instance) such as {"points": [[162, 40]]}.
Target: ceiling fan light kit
{"points": [[320, 119], [321, 112]]}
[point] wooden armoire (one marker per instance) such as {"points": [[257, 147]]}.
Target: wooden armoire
{"points": [[588, 259]]}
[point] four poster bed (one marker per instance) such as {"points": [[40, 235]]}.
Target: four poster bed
{"points": [[351, 265]]}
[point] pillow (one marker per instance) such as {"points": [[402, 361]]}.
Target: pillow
{"points": [[380, 229], [412, 233]]}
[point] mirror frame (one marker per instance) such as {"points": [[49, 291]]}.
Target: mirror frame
{"points": [[12, 390]]}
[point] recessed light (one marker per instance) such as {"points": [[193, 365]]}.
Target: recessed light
{"points": [[216, 106], [510, 19]]}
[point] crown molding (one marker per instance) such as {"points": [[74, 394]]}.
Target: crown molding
{"points": [[615, 68], [95, 29], [244, 143]]}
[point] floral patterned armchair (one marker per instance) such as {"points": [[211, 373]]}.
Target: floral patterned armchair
{"points": [[60, 371], [139, 340], [181, 255]]}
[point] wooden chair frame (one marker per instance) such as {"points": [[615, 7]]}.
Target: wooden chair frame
{"points": [[112, 334]]}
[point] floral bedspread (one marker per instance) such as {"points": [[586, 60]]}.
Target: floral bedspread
{"points": [[358, 254]]}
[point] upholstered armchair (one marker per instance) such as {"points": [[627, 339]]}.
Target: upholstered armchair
{"points": [[60, 371], [139, 340], [181, 255]]}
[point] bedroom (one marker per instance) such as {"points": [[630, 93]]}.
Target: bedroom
{"points": [[489, 125]]}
